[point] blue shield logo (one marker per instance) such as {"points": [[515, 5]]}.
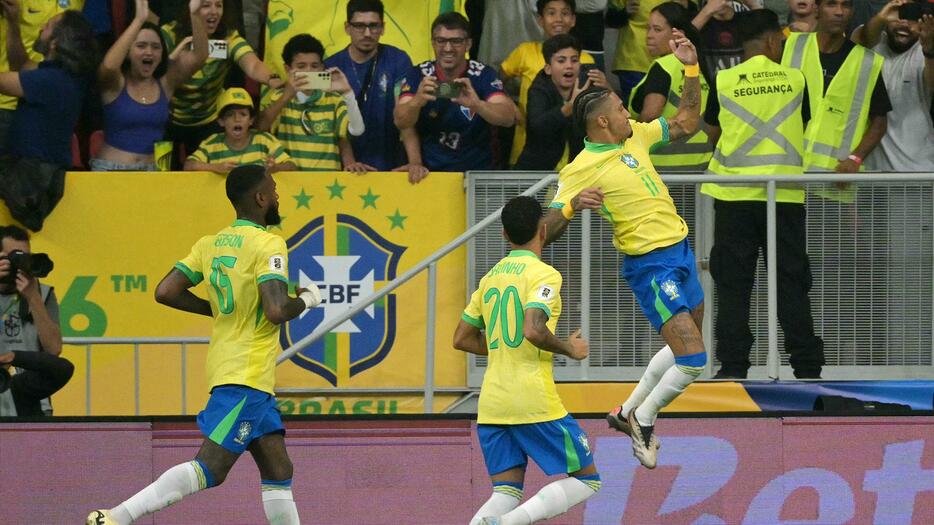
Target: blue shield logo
{"points": [[345, 269]]}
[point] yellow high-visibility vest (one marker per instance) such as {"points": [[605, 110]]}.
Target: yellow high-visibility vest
{"points": [[839, 116], [691, 153], [763, 133]]}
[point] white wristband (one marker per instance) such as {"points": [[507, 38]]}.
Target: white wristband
{"points": [[311, 297]]}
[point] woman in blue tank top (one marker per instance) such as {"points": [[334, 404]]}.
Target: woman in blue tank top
{"points": [[136, 80]]}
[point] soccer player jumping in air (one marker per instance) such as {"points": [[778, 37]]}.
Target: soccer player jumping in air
{"points": [[613, 174], [247, 271], [520, 414]]}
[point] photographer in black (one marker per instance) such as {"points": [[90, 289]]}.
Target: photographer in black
{"points": [[30, 339]]}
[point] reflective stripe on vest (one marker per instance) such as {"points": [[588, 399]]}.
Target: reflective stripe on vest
{"points": [[690, 153], [796, 48], [863, 80], [762, 129]]}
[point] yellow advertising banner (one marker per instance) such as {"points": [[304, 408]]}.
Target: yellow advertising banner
{"points": [[408, 25], [115, 235]]}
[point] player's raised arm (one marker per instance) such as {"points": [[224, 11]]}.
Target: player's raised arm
{"points": [[468, 338], [686, 121], [173, 291], [535, 329], [279, 307]]}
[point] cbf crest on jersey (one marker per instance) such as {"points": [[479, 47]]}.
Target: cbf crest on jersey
{"points": [[629, 160], [344, 258]]}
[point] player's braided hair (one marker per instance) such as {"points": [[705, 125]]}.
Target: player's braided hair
{"points": [[585, 104]]}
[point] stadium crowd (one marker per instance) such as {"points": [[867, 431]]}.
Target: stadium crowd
{"points": [[76, 97]]}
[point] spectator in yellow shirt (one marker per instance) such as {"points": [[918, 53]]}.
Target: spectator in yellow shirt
{"points": [[556, 18]]}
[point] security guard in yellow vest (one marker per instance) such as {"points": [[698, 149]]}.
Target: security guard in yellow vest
{"points": [[847, 97], [658, 94], [759, 106]]}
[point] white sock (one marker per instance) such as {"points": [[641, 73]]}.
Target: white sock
{"points": [[173, 485], [660, 363], [554, 499], [280, 507], [668, 388], [497, 505]]}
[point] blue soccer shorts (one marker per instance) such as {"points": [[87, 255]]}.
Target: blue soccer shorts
{"points": [[664, 281], [559, 446], [236, 415]]}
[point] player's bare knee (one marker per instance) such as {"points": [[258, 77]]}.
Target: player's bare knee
{"points": [[282, 470]]}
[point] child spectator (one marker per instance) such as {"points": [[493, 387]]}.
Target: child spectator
{"points": [[194, 104], [312, 123], [136, 81], [802, 16], [552, 139], [525, 62], [238, 144]]}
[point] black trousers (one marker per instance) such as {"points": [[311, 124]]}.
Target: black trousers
{"points": [[739, 233], [43, 374]]}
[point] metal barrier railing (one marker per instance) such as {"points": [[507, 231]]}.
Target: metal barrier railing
{"points": [[89, 342], [430, 263]]}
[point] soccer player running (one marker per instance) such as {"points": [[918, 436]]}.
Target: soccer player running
{"points": [[520, 414], [247, 270], [613, 174]]}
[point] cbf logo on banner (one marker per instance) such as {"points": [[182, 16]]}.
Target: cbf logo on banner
{"points": [[345, 269]]}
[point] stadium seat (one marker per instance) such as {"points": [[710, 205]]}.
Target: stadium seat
{"points": [[118, 16], [95, 143], [76, 153]]}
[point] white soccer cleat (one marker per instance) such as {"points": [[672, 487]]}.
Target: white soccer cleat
{"points": [[645, 450], [489, 520], [100, 517], [620, 423]]}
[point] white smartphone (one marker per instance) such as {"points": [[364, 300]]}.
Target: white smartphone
{"points": [[316, 79], [217, 49]]}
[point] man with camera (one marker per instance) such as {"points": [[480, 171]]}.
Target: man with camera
{"points": [[30, 339], [448, 106]]}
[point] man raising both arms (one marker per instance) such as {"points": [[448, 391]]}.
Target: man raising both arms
{"points": [[615, 175], [520, 414], [247, 270]]}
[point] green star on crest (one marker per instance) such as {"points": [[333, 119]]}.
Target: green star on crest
{"points": [[369, 198], [302, 199], [397, 220], [336, 190]]}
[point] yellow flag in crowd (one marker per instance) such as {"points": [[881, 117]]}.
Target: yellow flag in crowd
{"points": [[408, 24]]}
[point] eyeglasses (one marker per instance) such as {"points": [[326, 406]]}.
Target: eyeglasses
{"points": [[455, 42], [361, 27]]}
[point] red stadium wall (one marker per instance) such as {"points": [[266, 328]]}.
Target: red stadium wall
{"points": [[711, 471]]}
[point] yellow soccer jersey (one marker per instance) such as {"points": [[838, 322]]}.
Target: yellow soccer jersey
{"points": [[34, 14], [194, 103], [525, 61], [635, 200], [518, 386], [244, 344], [311, 130], [214, 149]]}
